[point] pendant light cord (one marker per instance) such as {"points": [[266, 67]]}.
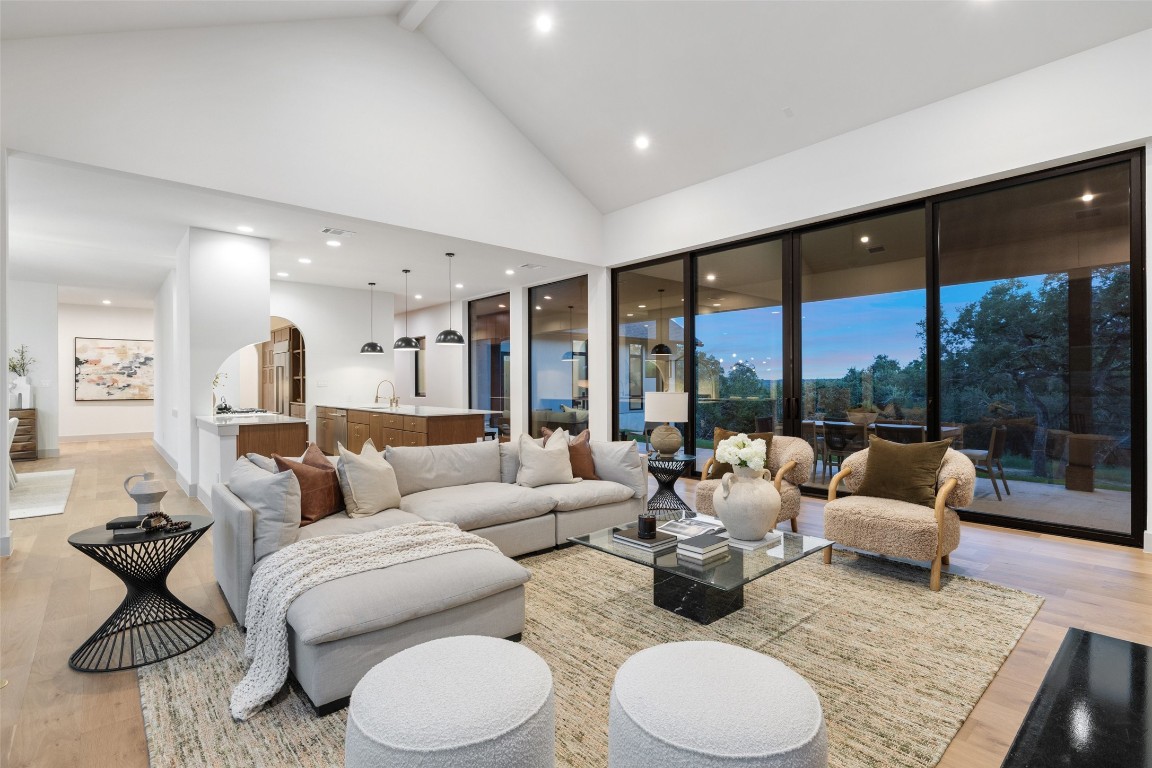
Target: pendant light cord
{"points": [[406, 302], [371, 311]]}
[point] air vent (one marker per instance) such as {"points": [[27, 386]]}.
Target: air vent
{"points": [[531, 266], [1088, 213], [876, 249], [337, 232]]}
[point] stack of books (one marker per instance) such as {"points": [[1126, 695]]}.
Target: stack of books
{"points": [[703, 547], [628, 536], [772, 539], [691, 526]]}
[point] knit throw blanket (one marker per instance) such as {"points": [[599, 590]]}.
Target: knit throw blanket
{"points": [[285, 575]]}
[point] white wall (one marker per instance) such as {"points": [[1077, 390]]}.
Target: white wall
{"points": [[376, 123], [31, 313], [240, 383], [165, 427], [334, 322], [1082, 105], [105, 419], [446, 374]]}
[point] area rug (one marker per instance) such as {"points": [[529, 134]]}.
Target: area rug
{"points": [[897, 666], [40, 493]]}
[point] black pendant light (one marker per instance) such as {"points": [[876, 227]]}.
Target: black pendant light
{"points": [[660, 349], [570, 356], [406, 343], [371, 347], [450, 337]]}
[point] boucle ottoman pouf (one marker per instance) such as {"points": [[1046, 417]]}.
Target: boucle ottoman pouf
{"points": [[705, 704], [474, 701]]}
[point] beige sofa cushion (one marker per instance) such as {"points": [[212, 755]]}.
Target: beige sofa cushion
{"points": [[478, 505], [544, 465], [340, 523], [437, 466], [372, 600], [585, 494], [367, 480]]}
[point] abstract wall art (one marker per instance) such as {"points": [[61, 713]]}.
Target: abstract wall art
{"points": [[115, 369]]}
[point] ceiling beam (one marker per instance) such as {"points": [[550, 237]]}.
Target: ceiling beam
{"points": [[415, 12]]}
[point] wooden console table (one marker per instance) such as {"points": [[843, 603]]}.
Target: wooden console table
{"points": [[24, 444]]}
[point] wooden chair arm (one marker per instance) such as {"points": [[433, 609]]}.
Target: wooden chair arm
{"points": [[781, 472], [835, 483], [707, 466], [941, 505]]}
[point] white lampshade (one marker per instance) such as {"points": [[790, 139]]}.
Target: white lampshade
{"points": [[666, 407]]}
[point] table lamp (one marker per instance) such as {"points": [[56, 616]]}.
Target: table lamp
{"points": [[667, 407]]}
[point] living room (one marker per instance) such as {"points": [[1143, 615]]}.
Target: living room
{"points": [[94, 104]]}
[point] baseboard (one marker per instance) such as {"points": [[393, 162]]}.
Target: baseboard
{"points": [[1148, 542], [5, 546], [118, 436], [167, 456]]}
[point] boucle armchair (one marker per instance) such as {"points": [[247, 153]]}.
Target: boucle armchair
{"points": [[899, 528], [790, 460]]}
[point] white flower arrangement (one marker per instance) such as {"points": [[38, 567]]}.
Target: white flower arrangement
{"points": [[739, 451]]}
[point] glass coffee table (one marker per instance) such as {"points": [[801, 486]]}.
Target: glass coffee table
{"points": [[705, 592]]}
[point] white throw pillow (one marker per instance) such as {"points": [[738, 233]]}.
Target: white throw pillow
{"points": [[546, 465], [274, 498], [264, 462], [367, 480]]}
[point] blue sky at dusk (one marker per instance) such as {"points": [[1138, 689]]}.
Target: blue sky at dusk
{"points": [[838, 333]]}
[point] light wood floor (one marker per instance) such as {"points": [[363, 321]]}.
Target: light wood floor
{"points": [[52, 597]]}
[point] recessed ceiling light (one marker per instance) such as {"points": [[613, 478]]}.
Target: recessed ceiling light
{"points": [[304, 261], [538, 306], [333, 243], [459, 285], [509, 271], [281, 274], [243, 228], [549, 298], [106, 301], [631, 314], [641, 306], [1089, 197], [418, 296], [710, 277], [641, 142], [716, 304], [502, 306], [544, 23], [864, 239]]}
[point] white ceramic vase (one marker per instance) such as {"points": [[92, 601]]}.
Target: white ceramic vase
{"points": [[747, 504], [147, 493]]}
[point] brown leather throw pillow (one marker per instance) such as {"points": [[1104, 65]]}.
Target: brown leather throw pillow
{"points": [[320, 494], [903, 472], [718, 470], [579, 453]]}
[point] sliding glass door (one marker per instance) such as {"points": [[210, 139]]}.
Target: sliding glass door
{"points": [[558, 356], [1037, 346], [862, 337], [489, 356]]}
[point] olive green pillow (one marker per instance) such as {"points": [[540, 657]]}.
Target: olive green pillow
{"points": [[718, 470], [903, 472]]}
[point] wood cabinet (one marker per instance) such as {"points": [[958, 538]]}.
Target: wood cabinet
{"points": [[403, 430], [24, 443], [298, 410], [296, 378], [288, 440], [331, 426]]}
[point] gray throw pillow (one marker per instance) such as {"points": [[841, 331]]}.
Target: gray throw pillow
{"points": [[368, 481], [274, 498], [546, 465]]}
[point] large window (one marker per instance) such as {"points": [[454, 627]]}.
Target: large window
{"points": [[558, 356], [739, 338], [862, 358], [1037, 345], [652, 350], [490, 382]]}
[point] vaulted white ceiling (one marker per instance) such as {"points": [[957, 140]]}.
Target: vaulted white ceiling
{"points": [[716, 85]]}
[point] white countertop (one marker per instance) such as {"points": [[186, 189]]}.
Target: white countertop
{"points": [[411, 410], [226, 423]]}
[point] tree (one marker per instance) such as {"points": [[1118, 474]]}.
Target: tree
{"points": [[741, 381]]}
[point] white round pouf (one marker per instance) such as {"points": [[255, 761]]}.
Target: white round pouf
{"points": [[706, 704], [458, 701]]}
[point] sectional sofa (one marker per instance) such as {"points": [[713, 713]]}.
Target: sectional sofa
{"points": [[340, 629]]}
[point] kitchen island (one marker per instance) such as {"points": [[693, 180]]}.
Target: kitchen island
{"points": [[226, 437], [353, 425]]}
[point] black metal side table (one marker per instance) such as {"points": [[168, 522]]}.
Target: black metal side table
{"points": [[151, 624], [667, 470]]}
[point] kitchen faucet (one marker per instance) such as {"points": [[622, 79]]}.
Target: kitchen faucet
{"points": [[392, 401]]}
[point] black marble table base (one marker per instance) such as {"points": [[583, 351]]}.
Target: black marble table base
{"points": [[1092, 709], [702, 603]]}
